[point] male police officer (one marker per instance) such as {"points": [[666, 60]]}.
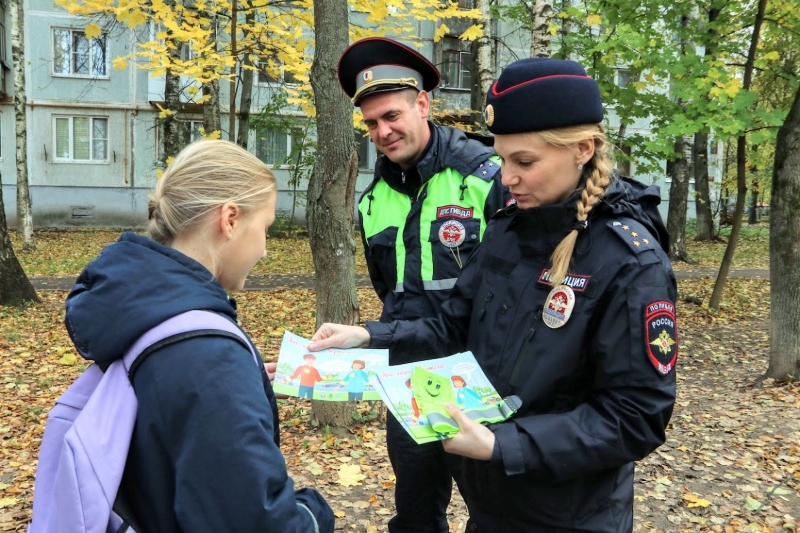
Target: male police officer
{"points": [[433, 193]]}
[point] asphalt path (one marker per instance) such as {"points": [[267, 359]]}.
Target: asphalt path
{"points": [[306, 281]]}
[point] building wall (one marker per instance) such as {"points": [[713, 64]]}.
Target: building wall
{"points": [[113, 192]]}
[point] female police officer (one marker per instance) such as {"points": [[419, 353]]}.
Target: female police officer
{"points": [[568, 305]]}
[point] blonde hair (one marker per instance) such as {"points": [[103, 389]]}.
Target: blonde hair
{"points": [[203, 176], [598, 173]]}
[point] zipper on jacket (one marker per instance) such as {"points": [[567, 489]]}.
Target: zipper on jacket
{"points": [[403, 177]]}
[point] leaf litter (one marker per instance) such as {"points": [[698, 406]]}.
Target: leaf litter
{"points": [[731, 462]]}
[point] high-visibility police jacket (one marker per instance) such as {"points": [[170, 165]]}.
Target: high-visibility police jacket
{"points": [[419, 226]]}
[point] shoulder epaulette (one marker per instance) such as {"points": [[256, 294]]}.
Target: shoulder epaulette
{"points": [[508, 210], [487, 170], [634, 234]]}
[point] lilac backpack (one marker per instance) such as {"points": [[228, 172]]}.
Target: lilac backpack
{"points": [[88, 433]]}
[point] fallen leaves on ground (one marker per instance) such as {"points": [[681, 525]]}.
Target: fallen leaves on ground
{"points": [[731, 462], [752, 249]]}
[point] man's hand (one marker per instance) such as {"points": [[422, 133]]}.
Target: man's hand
{"points": [[473, 440], [339, 336]]}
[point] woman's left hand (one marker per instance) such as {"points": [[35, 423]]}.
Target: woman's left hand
{"points": [[473, 440]]}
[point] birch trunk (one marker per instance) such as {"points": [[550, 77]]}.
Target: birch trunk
{"points": [[234, 78], [24, 207], [331, 189], [540, 21], [484, 63], [784, 254]]}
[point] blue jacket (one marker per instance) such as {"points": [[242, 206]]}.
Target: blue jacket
{"points": [[205, 453], [596, 393]]}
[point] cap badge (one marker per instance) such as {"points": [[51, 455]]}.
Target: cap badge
{"points": [[367, 76], [558, 307], [452, 233], [488, 115]]}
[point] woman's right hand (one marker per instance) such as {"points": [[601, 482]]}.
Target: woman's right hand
{"points": [[339, 336]]}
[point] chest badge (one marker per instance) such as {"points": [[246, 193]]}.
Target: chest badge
{"points": [[452, 233], [559, 306]]}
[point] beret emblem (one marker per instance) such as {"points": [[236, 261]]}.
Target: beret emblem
{"points": [[488, 115]]}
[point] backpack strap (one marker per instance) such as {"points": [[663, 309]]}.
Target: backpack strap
{"points": [[187, 325]]}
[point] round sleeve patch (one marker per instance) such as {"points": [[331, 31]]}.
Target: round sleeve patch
{"points": [[661, 336]]}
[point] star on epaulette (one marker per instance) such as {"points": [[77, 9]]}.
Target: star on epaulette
{"points": [[634, 234], [484, 172], [636, 243], [626, 228], [646, 241]]}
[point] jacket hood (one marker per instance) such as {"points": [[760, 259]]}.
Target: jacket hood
{"points": [[131, 287], [626, 197]]}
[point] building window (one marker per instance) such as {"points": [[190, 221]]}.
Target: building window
{"points": [[466, 4], [272, 72], [81, 138], [623, 77], [276, 147], [75, 55], [188, 132], [456, 61]]}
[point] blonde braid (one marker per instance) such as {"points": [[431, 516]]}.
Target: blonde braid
{"points": [[600, 169]]}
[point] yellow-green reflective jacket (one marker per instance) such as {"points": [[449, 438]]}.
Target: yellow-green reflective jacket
{"points": [[416, 239]]}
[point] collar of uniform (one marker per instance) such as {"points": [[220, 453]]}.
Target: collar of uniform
{"points": [[540, 229]]}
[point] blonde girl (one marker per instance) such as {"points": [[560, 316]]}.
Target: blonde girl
{"points": [[205, 453]]}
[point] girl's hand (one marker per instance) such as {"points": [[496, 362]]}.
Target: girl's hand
{"points": [[473, 440], [271, 368], [339, 336]]}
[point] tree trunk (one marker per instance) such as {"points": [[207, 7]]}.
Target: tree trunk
{"points": [[741, 178], [211, 118], [623, 164], [331, 189], [540, 21], [702, 198], [484, 64], [172, 97], [24, 208], [784, 254], [234, 78], [15, 288], [752, 217], [246, 99], [705, 219], [678, 200]]}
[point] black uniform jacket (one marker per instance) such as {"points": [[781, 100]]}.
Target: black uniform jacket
{"points": [[597, 393]]}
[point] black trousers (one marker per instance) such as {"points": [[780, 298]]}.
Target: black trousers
{"points": [[424, 481]]}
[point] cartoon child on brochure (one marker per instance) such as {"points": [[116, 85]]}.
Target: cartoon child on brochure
{"points": [[309, 376], [356, 381]]}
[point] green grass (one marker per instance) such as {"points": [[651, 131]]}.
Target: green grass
{"points": [[752, 248]]}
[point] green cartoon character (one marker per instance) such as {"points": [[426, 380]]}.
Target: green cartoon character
{"points": [[433, 392]]}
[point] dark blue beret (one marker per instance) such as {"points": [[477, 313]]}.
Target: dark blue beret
{"points": [[537, 94], [377, 64]]}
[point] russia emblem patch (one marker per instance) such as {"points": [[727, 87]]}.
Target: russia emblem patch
{"points": [[661, 336]]}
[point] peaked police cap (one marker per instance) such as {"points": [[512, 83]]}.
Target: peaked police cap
{"points": [[376, 64]]}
